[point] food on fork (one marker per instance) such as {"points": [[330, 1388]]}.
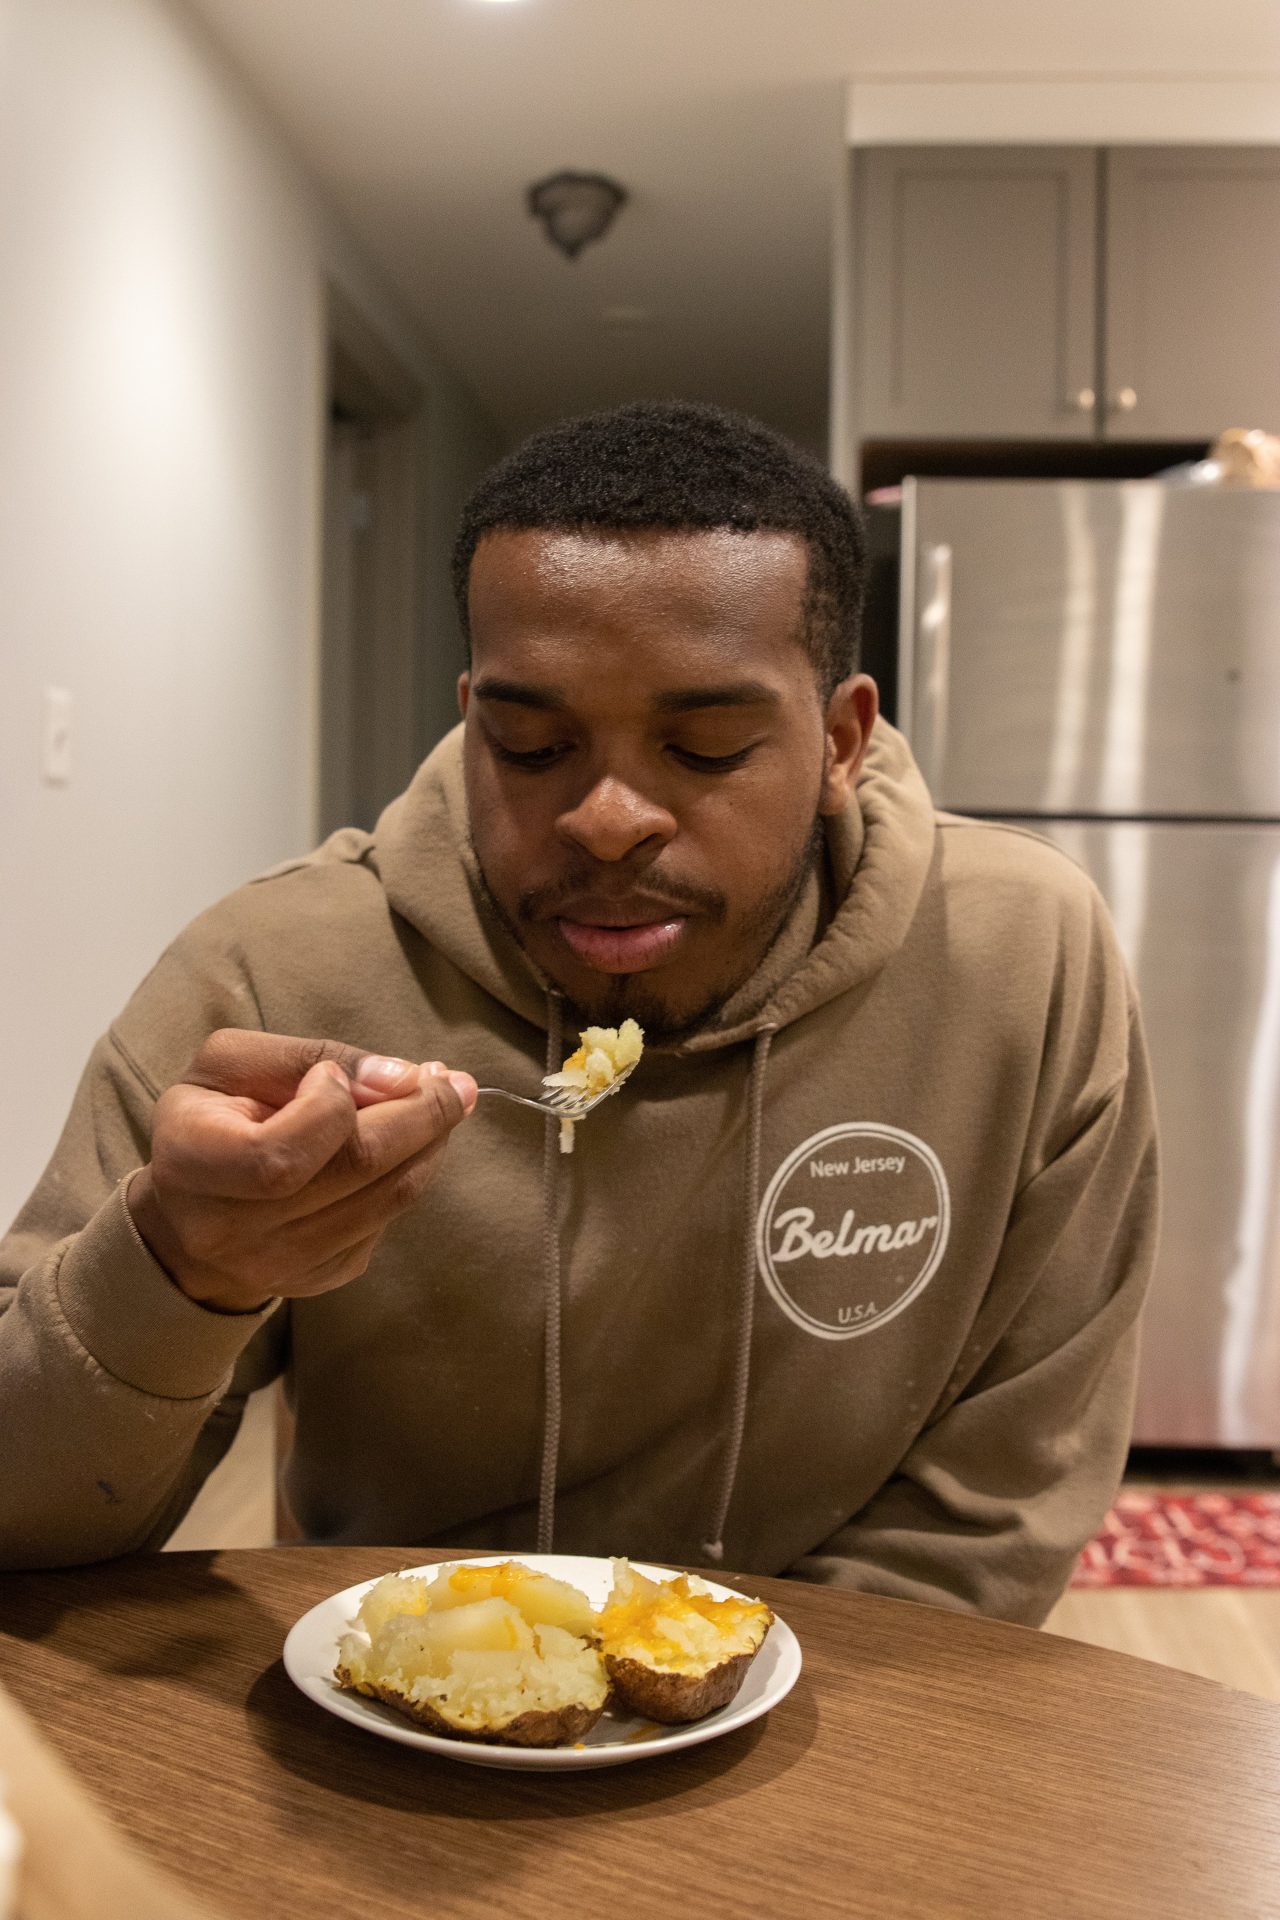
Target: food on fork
{"points": [[603, 1054], [671, 1650], [500, 1654], [600, 1058]]}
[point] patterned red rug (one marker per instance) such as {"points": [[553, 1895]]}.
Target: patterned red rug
{"points": [[1185, 1540]]}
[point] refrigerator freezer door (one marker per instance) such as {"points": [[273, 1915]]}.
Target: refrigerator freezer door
{"points": [[1197, 909], [1093, 647]]}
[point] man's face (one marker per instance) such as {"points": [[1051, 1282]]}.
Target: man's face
{"points": [[647, 753]]}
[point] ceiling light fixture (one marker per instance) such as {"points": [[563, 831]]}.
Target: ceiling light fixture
{"points": [[575, 208]]}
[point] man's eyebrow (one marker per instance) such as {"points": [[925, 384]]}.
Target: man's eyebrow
{"points": [[731, 693], [518, 693]]}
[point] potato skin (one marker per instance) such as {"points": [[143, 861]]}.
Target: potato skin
{"points": [[673, 1698], [532, 1729]]}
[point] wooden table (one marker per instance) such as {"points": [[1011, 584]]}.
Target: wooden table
{"points": [[927, 1765]]}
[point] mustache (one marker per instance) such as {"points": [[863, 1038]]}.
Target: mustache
{"points": [[657, 894]]}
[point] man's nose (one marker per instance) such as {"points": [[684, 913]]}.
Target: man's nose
{"points": [[613, 819]]}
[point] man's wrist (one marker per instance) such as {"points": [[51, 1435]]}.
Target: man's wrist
{"points": [[165, 1249]]}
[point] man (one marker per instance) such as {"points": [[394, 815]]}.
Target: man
{"points": [[844, 1283]]}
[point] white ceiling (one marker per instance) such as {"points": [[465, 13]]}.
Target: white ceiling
{"points": [[424, 121]]}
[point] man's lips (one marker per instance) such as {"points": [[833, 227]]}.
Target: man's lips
{"points": [[630, 946]]}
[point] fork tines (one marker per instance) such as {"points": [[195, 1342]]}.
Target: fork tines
{"points": [[564, 1099]]}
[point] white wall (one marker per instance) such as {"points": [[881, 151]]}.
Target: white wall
{"points": [[162, 346]]}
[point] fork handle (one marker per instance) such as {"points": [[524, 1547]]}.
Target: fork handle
{"points": [[538, 1106]]}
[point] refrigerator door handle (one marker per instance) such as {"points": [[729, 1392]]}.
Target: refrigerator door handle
{"points": [[935, 660]]}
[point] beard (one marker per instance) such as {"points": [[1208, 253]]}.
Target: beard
{"points": [[630, 996]]}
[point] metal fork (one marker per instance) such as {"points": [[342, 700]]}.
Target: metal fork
{"points": [[565, 1103]]}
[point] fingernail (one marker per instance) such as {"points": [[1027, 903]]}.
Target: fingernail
{"points": [[433, 1067], [465, 1088], [376, 1071]]}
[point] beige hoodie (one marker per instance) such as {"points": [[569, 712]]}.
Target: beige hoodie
{"points": [[844, 1285]]}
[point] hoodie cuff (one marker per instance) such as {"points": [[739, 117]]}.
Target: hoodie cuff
{"points": [[135, 1323]]}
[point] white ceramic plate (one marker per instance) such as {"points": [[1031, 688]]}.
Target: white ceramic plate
{"points": [[311, 1651]]}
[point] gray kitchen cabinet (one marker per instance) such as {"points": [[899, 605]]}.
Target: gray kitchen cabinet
{"points": [[976, 292], [1192, 291], [1049, 293]]}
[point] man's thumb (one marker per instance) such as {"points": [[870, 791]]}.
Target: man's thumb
{"points": [[270, 1067]]}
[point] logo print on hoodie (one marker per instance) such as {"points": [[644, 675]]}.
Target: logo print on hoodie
{"points": [[852, 1228]]}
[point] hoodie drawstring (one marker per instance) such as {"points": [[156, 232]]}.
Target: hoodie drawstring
{"points": [[713, 1545], [551, 1403]]}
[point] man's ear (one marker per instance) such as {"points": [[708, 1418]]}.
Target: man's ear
{"points": [[851, 714], [464, 693]]}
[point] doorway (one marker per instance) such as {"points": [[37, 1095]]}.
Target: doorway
{"points": [[370, 589]]}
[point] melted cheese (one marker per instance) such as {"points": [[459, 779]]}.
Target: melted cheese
{"points": [[671, 1624]]}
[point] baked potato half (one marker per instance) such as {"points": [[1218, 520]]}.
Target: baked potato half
{"points": [[495, 1654], [672, 1652]]}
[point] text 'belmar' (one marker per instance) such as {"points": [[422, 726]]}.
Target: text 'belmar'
{"points": [[852, 1227]]}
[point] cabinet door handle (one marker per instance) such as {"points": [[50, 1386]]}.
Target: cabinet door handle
{"points": [[1085, 400], [1124, 401]]}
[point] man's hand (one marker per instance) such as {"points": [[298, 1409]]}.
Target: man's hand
{"points": [[277, 1164]]}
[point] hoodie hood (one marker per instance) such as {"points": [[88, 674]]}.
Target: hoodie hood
{"points": [[851, 916]]}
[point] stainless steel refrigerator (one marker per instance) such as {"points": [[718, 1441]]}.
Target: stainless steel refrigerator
{"points": [[1100, 661]]}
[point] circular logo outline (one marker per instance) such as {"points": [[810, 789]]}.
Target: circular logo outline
{"points": [[848, 1130]]}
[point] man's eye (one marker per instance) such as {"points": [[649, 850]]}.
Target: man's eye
{"points": [[712, 762], [531, 760]]}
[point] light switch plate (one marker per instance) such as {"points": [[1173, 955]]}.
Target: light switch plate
{"points": [[55, 738]]}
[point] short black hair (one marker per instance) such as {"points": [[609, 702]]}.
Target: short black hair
{"points": [[683, 467]]}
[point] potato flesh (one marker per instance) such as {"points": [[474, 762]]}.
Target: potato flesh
{"points": [[480, 1662], [478, 1688], [541, 1600], [603, 1054], [675, 1625], [398, 1593]]}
